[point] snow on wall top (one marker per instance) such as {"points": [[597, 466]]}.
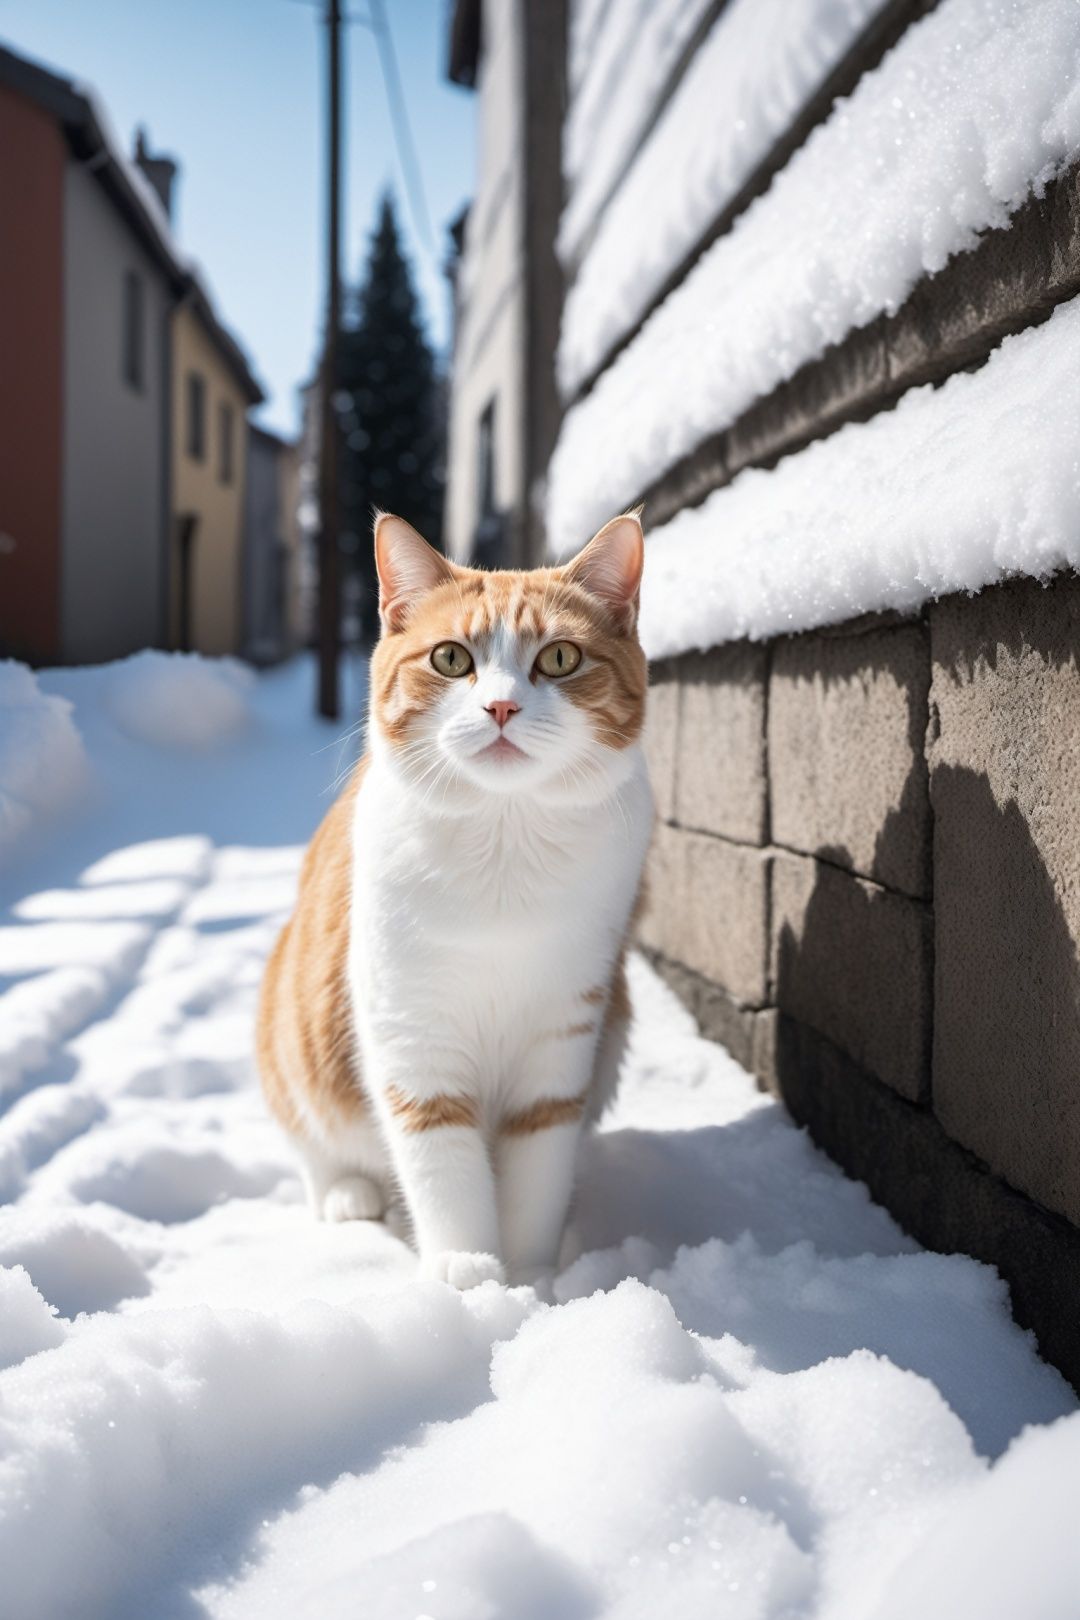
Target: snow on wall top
{"points": [[761, 63], [976, 107], [625, 68], [954, 489], [584, 18]]}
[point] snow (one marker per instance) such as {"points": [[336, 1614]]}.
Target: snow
{"points": [[954, 489], [761, 63], [584, 16], [27, 1323], [625, 70], [748, 1393], [179, 699], [975, 109], [42, 767], [1005, 1547]]}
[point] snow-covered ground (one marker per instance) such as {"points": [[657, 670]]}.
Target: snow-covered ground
{"points": [[752, 1397]]}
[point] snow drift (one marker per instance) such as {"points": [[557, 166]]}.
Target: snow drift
{"points": [[42, 763]]}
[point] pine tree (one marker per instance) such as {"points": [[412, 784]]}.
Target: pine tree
{"points": [[393, 433]]}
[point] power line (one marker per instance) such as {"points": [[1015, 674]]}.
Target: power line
{"points": [[399, 119], [376, 20]]}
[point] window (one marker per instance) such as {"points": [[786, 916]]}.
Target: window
{"points": [[226, 417], [196, 416], [485, 451], [133, 358]]}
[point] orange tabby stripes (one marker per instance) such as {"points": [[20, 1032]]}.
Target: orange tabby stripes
{"points": [[431, 1113], [542, 1115], [571, 1032]]}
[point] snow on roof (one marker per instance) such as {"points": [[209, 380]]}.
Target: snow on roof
{"points": [[953, 489], [973, 110]]}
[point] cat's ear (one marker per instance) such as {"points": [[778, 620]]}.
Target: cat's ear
{"points": [[407, 567], [610, 568]]}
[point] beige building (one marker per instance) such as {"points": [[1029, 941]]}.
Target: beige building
{"points": [[212, 392]]}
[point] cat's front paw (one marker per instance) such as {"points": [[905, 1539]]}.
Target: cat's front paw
{"points": [[461, 1268]]}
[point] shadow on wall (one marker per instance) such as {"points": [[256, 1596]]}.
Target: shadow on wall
{"points": [[1020, 619], [1001, 1060], [847, 749], [1007, 994], [1000, 1071]]}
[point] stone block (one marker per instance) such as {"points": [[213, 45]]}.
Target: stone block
{"points": [[1005, 787], [707, 907], [721, 785], [659, 923], [937, 1191], [661, 736], [854, 962], [821, 394], [847, 767]]}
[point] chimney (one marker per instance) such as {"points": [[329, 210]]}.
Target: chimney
{"points": [[158, 169]]}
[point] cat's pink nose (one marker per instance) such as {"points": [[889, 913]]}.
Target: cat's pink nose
{"points": [[501, 711]]}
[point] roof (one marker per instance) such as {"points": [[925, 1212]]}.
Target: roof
{"points": [[269, 437], [466, 42], [91, 139]]}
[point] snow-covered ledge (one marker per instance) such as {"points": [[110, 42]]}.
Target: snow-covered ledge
{"points": [[973, 112], [955, 488]]}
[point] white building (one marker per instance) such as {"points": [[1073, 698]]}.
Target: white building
{"points": [[508, 286]]}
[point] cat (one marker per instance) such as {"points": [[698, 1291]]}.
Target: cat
{"points": [[446, 1010]]}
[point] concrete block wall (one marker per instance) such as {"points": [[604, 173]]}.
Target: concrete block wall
{"points": [[866, 883]]}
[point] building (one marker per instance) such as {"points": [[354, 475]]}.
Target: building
{"points": [[212, 390], [866, 875], [103, 326], [273, 567], [87, 286], [507, 281]]}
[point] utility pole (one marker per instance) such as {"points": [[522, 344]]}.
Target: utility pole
{"points": [[329, 495]]}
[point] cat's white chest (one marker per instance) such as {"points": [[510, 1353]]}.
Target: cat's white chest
{"points": [[484, 934]]}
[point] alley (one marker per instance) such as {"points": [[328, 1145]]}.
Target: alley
{"points": [[751, 1396]]}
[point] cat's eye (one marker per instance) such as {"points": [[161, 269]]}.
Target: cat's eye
{"points": [[450, 658], [558, 658]]}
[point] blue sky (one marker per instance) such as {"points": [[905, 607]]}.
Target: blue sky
{"points": [[233, 89]]}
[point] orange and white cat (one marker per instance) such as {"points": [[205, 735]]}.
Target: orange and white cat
{"points": [[446, 1009]]}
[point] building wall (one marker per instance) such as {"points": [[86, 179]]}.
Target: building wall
{"points": [[865, 879], [31, 325], [490, 335], [865, 883], [112, 587], [198, 488], [271, 580], [297, 606]]}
